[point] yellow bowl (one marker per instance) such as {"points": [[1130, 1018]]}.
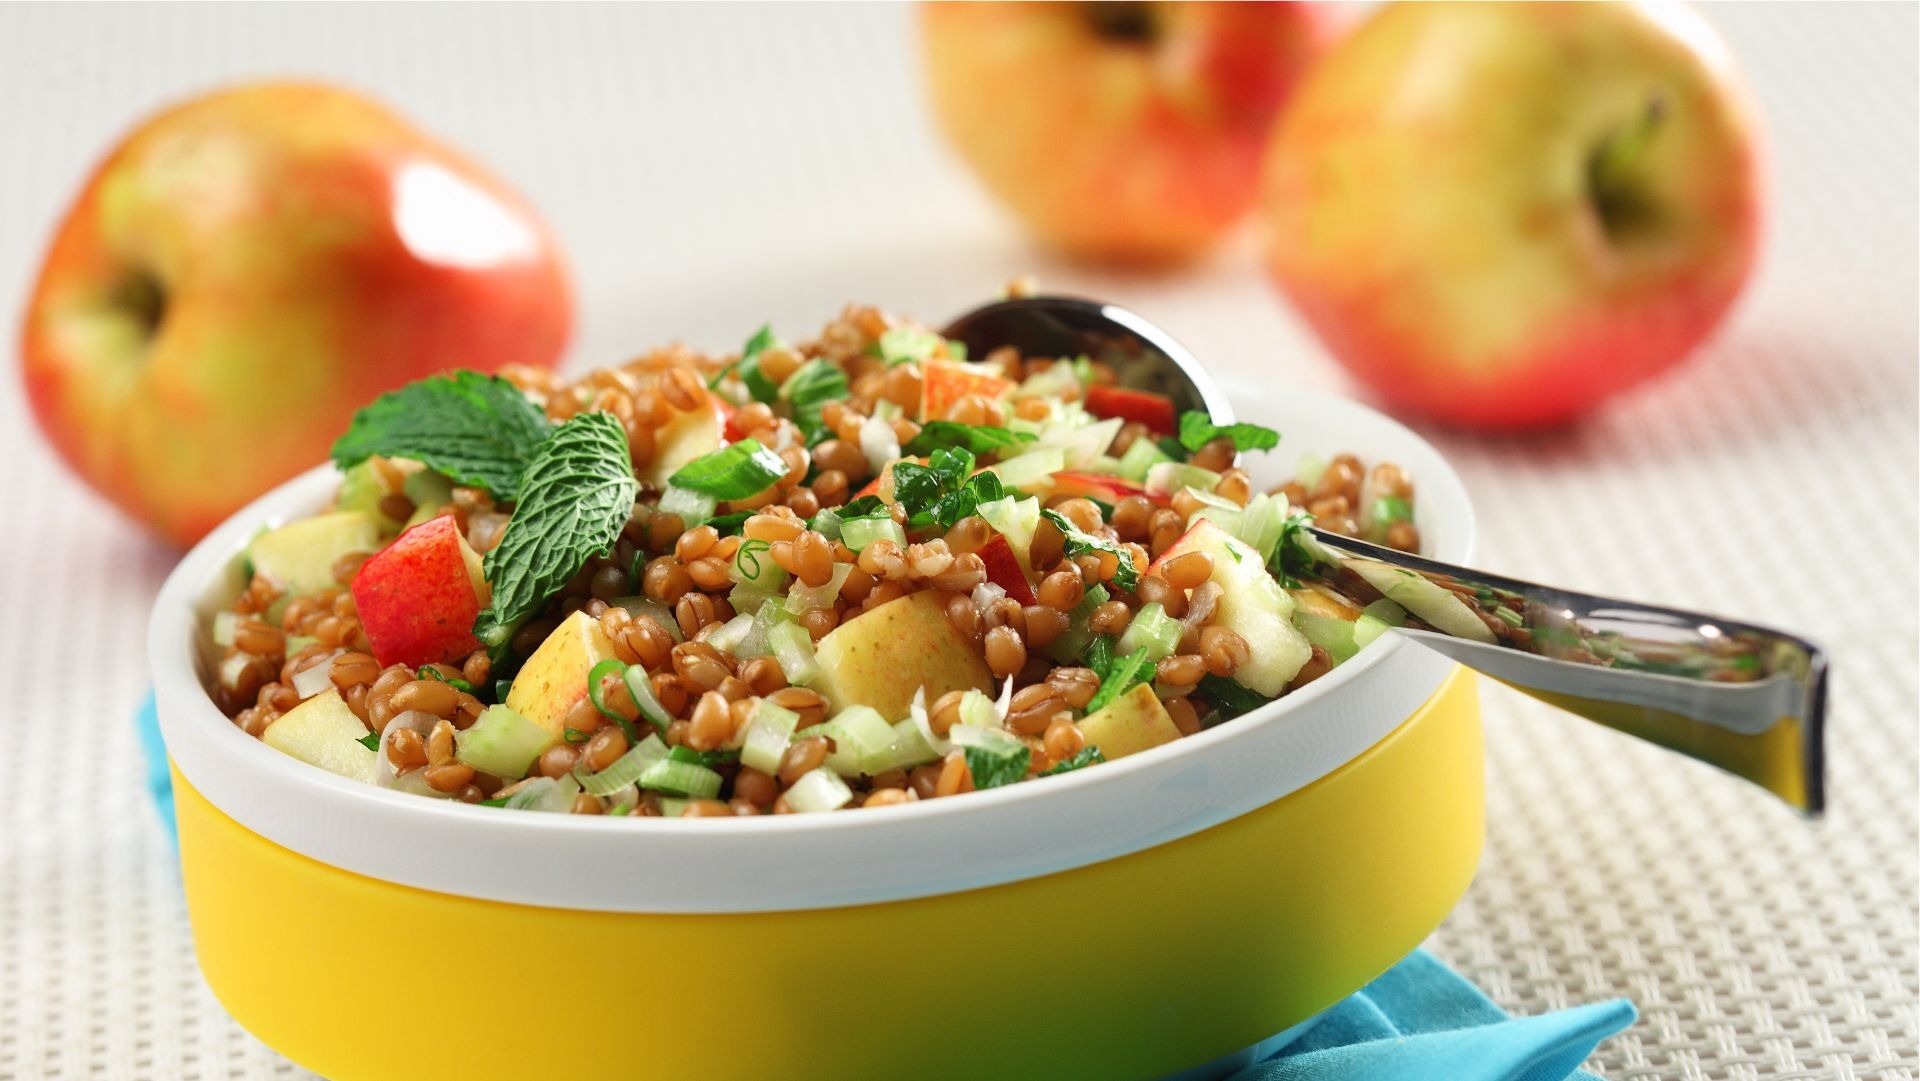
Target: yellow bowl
{"points": [[1158, 915]]}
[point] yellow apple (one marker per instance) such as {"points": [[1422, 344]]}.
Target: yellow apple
{"points": [[881, 657], [1131, 723], [322, 731], [554, 679]]}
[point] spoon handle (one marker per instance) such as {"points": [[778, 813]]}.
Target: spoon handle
{"points": [[1748, 699]]}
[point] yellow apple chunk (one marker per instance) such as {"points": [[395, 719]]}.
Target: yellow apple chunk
{"points": [[300, 555], [322, 731], [1131, 723], [680, 440], [880, 658], [554, 679]]}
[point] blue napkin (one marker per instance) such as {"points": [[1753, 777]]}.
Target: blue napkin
{"points": [[1419, 1022]]}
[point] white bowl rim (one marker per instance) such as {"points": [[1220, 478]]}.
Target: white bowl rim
{"points": [[771, 863]]}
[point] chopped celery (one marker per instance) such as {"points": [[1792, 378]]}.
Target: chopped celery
{"points": [[978, 710], [767, 736], [803, 596], [827, 524], [1167, 478], [749, 597], [545, 794], [901, 344], [860, 737], [1141, 456], [502, 742], [647, 606], [1067, 648], [793, 647], [1014, 519], [625, 771], [692, 507], [1151, 630], [1376, 620], [223, 624], [1079, 447], [1032, 469], [819, 790], [677, 778], [673, 806], [857, 533], [730, 636]]}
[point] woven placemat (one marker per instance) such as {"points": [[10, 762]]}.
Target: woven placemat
{"points": [[714, 167]]}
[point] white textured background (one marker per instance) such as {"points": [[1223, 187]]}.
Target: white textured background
{"points": [[709, 168]]}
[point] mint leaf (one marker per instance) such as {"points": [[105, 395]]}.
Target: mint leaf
{"points": [[1197, 430], [977, 438], [944, 490], [1229, 697], [1084, 757], [371, 741], [576, 495], [805, 391], [732, 472], [992, 767], [1079, 543], [477, 429]]}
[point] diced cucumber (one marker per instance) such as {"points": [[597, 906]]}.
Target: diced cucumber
{"points": [[1167, 478], [818, 790], [857, 533], [1141, 456], [692, 507], [793, 647], [223, 625], [503, 743], [1152, 630], [861, 738], [768, 735]]}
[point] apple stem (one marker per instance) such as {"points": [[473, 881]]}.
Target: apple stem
{"points": [[1610, 172], [141, 294]]}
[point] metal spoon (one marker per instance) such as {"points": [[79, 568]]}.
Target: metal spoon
{"points": [[1746, 698]]}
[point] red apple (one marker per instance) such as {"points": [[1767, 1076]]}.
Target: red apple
{"points": [[943, 383], [1498, 215], [1107, 489], [418, 597], [1139, 406], [247, 269], [1004, 570], [1118, 132]]}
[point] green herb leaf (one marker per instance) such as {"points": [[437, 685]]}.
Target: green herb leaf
{"points": [[708, 759], [733, 472], [805, 391], [991, 769], [1229, 697], [576, 495], [729, 524], [902, 344], [501, 802], [1100, 654], [1198, 429], [977, 438], [867, 506], [747, 367], [944, 490], [1078, 543], [477, 429], [1293, 557], [1084, 757], [1123, 674], [371, 741], [1171, 447]]}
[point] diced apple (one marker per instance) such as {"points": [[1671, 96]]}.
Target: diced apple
{"points": [[881, 657], [418, 597], [1006, 570], [1105, 488], [1131, 723], [1251, 604], [1327, 620], [945, 382], [682, 439], [300, 555], [362, 488], [554, 679], [322, 731], [1140, 406]]}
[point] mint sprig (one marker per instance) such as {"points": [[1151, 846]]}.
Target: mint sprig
{"points": [[576, 496], [1197, 430], [1078, 542], [477, 429]]}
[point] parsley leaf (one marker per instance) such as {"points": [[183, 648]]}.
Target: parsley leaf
{"points": [[1293, 557], [867, 506], [1121, 676], [1197, 430], [477, 429], [1084, 757], [1100, 655], [977, 438], [805, 391], [371, 741], [576, 495], [992, 768], [729, 524], [732, 472], [1229, 697], [944, 490], [1078, 543]]}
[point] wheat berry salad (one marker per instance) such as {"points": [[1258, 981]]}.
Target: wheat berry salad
{"points": [[854, 572]]}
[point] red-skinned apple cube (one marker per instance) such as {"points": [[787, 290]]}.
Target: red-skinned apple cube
{"points": [[943, 383], [1004, 570], [418, 597], [1140, 406], [1105, 488]]}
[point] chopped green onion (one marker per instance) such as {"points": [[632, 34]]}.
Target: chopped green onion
{"points": [[751, 563], [609, 667], [1510, 617], [1078, 635], [977, 438], [545, 794], [816, 383], [1389, 509], [735, 471], [1153, 632], [677, 778], [641, 688], [767, 737], [860, 737], [818, 790], [857, 533], [427, 671], [692, 507]]}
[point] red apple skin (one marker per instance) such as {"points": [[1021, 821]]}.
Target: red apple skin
{"points": [[1105, 488], [1429, 210], [943, 384], [1111, 149], [313, 250], [1140, 406], [1003, 569], [416, 598]]}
